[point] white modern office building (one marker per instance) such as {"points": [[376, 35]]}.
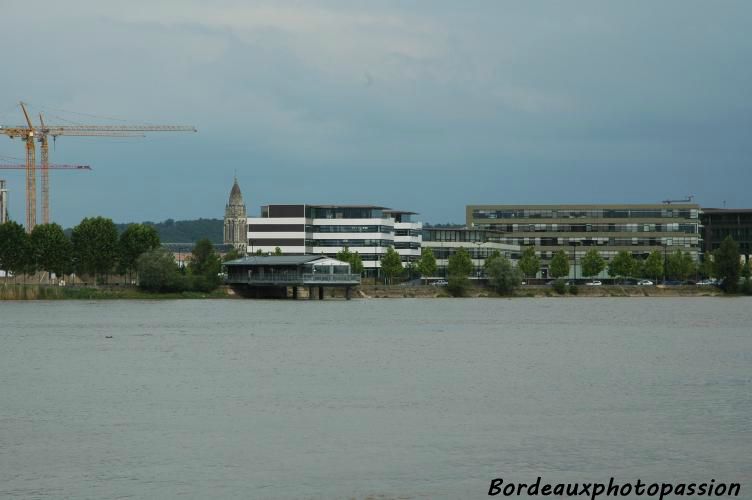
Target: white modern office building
{"points": [[327, 229]]}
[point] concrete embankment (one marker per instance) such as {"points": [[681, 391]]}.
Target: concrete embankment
{"points": [[396, 291], [42, 292]]}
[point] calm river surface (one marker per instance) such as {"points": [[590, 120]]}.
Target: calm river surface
{"points": [[404, 398]]}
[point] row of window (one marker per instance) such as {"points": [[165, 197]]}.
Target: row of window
{"points": [[462, 235], [350, 229], [344, 213], [375, 257], [685, 242], [600, 228], [738, 234], [608, 255], [350, 243], [475, 253], [406, 244], [407, 232], [600, 213]]}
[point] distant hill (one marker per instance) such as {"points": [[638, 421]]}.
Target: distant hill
{"points": [[186, 231]]}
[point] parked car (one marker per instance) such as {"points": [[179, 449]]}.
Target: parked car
{"points": [[645, 283], [440, 283], [594, 283], [707, 282]]}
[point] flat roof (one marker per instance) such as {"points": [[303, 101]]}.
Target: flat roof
{"points": [[314, 205], [588, 206]]}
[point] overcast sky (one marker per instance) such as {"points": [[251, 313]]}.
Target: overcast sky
{"points": [[417, 105]]}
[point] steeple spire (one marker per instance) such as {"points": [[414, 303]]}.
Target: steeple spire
{"points": [[235, 218]]}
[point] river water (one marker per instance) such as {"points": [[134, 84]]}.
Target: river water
{"points": [[403, 398]]}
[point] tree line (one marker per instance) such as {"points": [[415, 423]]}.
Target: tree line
{"points": [[724, 263], [95, 249]]}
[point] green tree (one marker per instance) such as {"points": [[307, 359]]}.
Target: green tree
{"points": [[726, 258], [460, 263], [391, 265], [679, 265], [638, 267], [592, 263], [135, 240], [529, 262], [95, 246], [259, 252], [653, 267], [352, 258], [502, 275], [158, 271], [356, 263], [559, 266], [277, 251], [15, 248], [427, 263], [459, 267], [345, 255], [52, 250], [622, 265], [205, 267], [706, 267]]}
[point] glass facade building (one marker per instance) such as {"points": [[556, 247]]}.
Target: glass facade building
{"points": [[718, 223], [638, 229]]}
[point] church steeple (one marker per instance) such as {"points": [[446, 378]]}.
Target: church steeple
{"points": [[236, 232], [236, 197]]}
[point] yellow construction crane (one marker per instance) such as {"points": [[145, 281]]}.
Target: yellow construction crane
{"points": [[29, 132]]}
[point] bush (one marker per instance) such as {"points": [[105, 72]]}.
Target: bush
{"points": [[746, 287], [560, 287], [574, 290], [158, 272], [458, 285], [503, 277]]}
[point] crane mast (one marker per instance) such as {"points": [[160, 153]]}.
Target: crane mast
{"points": [[31, 175]]}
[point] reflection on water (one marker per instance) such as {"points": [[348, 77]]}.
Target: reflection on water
{"points": [[401, 398]]}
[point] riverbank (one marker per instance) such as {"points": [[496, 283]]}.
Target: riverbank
{"points": [[43, 292], [396, 291]]}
